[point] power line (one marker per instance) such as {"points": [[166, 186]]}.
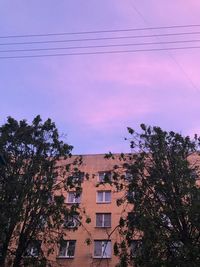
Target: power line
{"points": [[187, 76], [100, 31], [102, 52], [102, 38], [98, 46]]}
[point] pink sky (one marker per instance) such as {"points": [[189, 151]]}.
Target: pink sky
{"points": [[94, 98]]}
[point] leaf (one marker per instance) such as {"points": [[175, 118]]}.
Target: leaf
{"points": [[130, 130]]}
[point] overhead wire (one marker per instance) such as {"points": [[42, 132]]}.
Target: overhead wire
{"points": [[102, 38], [102, 52], [193, 85], [99, 46], [101, 31], [95, 46]]}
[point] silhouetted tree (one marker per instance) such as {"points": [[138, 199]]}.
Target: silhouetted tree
{"points": [[32, 205], [161, 191]]}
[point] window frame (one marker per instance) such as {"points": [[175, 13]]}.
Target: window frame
{"points": [[104, 173], [104, 196], [77, 177], [42, 222], [67, 245], [71, 219], [103, 249], [128, 176], [76, 200], [103, 214], [33, 249]]}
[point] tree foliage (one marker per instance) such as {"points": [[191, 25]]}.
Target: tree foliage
{"points": [[162, 227], [32, 206]]}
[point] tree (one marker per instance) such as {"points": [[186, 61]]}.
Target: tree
{"points": [[162, 227], [32, 174]]}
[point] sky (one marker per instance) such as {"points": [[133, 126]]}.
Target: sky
{"points": [[94, 98]]}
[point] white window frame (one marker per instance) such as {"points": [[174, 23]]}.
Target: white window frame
{"points": [[71, 221], [76, 200], [128, 176], [33, 249], [104, 196], [42, 221], [103, 220], [106, 249], [103, 173], [77, 177], [66, 245]]}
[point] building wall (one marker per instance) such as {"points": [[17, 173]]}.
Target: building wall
{"points": [[84, 254]]}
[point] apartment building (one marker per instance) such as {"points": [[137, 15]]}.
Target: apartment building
{"points": [[92, 244], [99, 204]]}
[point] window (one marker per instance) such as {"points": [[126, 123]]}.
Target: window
{"points": [[71, 221], [104, 176], [136, 247], [102, 249], [103, 219], [52, 178], [73, 198], [76, 177], [33, 249], [103, 196], [67, 249], [128, 176], [130, 196], [41, 222]]}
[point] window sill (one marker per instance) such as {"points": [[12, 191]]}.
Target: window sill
{"points": [[103, 226], [65, 257], [31, 256], [71, 203], [101, 257], [105, 202]]}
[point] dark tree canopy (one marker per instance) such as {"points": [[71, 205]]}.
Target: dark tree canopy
{"points": [[161, 185], [31, 205]]}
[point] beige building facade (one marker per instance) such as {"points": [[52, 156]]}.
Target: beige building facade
{"points": [[92, 243]]}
